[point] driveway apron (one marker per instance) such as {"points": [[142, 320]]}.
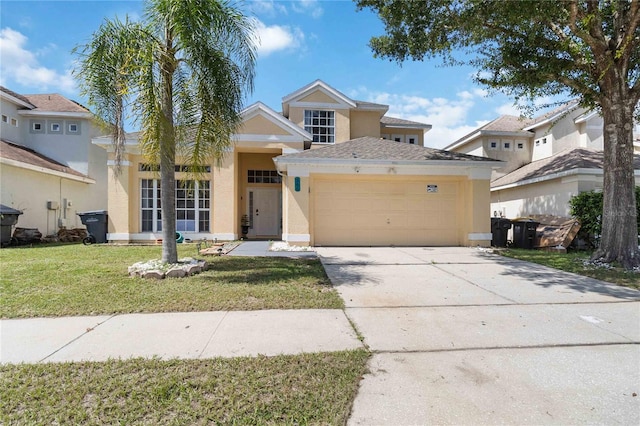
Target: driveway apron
{"points": [[464, 336]]}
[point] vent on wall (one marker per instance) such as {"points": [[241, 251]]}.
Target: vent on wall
{"points": [[53, 205]]}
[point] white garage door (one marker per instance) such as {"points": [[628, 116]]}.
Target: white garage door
{"points": [[363, 211]]}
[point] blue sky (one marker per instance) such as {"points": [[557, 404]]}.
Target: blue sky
{"points": [[301, 41]]}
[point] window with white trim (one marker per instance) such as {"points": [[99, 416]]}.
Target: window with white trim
{"points": [[5, 119], [14, 122], [493, 144], [519, 145], [321, 124], [37, 127], [193, 205], [55, 127]]}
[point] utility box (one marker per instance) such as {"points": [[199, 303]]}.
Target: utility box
{"points": [[53, 205], [96, 223], [8, 218]]}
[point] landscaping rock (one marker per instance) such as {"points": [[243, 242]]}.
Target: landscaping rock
{"points": [[176, 272], [192, 269], [153, 274]]}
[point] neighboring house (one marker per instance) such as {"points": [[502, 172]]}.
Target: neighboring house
{"points": [[548, 159], [318, 173], [49, 169]]}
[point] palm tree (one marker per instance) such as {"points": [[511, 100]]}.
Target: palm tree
{"points": [[180, 73]]}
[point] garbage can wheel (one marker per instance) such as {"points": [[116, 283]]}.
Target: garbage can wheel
{"points": [[88, 240]]}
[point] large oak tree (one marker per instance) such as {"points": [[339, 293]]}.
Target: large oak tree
{"points": [[180, 73], [585, 49]]}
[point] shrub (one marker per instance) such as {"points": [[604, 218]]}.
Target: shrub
{"points": [[587, 208]]}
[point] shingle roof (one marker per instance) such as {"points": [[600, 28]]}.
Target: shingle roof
{"points": [[563, 161], [54, 103], [504, 123], [371, 105], [370, 148], [562, 109], [15, 95], [26, 155], [393, 121]]}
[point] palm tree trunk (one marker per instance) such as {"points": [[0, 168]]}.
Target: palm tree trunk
{"points": [[619, 240], [168, 157]]}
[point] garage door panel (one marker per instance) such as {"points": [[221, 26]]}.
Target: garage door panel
{"points": [[397, 211]]}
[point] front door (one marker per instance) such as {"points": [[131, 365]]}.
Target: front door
{"points": [[264, 211]]}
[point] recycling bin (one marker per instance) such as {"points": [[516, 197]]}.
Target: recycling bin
{"points": [[8, 218], [499, 229], [524, 233], [96, 223]]}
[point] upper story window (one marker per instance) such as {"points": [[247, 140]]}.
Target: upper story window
{"points": [[5, 119], [55, 128], [520, 145], [493, 144], [506, 146], [321, 124], [14, 122]]}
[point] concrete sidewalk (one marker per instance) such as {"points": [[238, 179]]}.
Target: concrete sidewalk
{"points": [[175, 335]]}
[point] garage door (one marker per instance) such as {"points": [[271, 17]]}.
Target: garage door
{"points": [[362, 211]]}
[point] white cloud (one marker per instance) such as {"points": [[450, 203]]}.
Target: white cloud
{"points": [[276, 38], [509, 109], [309, 7], [17, 64], [448, 117], [268, 7]]}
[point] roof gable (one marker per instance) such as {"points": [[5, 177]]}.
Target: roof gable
{"points": [[259, 119], [318, 94]]}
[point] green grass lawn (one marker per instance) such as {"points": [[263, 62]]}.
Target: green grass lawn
{"points": [[302, 389], [574, 262], [63, 280]]}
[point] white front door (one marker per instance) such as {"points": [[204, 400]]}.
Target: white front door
{"points": [[264, 211]]}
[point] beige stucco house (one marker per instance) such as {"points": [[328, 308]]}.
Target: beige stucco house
{"points": [[327, 170], [547, 160], [49, 169]]}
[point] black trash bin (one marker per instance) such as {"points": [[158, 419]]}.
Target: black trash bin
{"points": [[524, 233], [499, 230], [8, 218], [96, 223]]}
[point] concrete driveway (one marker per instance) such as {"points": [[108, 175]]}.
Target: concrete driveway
{"points": [[462, 336]]}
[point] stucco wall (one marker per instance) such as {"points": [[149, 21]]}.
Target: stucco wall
{"points": [[29, 191], [365, 123], [391, 134]]}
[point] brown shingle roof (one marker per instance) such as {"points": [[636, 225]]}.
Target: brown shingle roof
{"points": [[393, 121], [562, 109], [15, 152], [563, 161], [15, 95], [55, 103], [370, 148]]}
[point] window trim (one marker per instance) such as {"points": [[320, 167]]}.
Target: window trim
{"points": [[315, 128], [200, 218]]}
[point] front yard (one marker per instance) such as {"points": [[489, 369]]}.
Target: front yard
{"points": [[77, 280], [68, 280], [577, 262]]}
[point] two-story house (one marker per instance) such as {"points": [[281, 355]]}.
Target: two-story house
{"points": [[49, 169], [317, 173], [548, 159]]}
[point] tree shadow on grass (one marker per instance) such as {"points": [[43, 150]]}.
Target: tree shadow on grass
{"points": [[549, 277], [265, 271]]}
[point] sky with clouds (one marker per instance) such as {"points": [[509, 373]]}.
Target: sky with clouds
{"points": [[300, 41]]}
